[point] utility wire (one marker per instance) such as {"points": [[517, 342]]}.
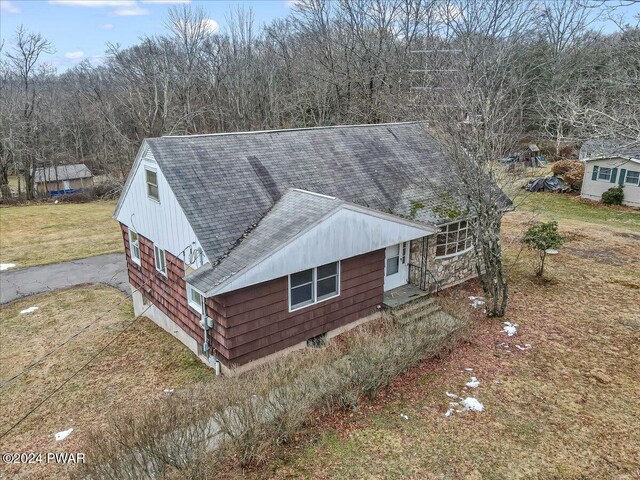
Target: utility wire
{"points": [[57, 389], [82, 330]]}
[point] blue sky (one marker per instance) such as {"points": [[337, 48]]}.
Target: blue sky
{"points": [[80, 29]]}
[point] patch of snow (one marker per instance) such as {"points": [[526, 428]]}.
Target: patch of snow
{"points": [[64, 434], [472, 404], [510, 328], [169, 390], [476, 301], [6, 266], [452, 395], [449, 412], [469, 369], [473, 383], [404, 416], [527, 346], [29, 310]]}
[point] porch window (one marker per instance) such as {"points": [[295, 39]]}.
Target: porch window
{"points": [[604, 174], [194, 297], [152, 185], [632, 178], [134, 246], [314, 285], [454, 238], [160, 260]]}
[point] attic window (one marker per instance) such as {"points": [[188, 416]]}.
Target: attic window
{"points": [[152, 185]]}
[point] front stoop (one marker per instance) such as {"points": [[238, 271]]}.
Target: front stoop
{"points": [[408, 304]]}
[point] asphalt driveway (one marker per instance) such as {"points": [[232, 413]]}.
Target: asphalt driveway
{"points": [[108, 269]]}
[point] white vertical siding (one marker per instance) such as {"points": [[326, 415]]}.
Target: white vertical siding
{"points": [[164, 222]]}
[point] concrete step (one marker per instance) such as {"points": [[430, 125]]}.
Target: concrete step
{"points": [[410, 307], [418, 315]]}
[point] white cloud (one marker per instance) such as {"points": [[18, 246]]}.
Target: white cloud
{"points": [[211, 25], [74, 55], [131, 11], [8, 7], [107, 26], [166, 1], [94, 3]]}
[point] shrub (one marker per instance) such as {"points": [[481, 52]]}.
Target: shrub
{"points": [[613, 196], [572, 171], [197, 431], [542, 238], [563, 166]]}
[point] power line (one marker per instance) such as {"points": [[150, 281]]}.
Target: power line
{"points": [[57, 389], [82, 330]]}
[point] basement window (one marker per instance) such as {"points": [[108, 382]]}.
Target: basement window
{"points": [[194, 297], [152, 185], [160, 260], [314, 285], [134, 244], [455, 238]]}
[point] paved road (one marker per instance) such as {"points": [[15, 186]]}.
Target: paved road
{"points": [[109, 269]]}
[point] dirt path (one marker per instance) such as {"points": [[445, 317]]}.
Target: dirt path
{"points": [[109, 269]]}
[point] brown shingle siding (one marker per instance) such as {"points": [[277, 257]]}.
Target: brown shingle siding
{"points": [[258, 321]]}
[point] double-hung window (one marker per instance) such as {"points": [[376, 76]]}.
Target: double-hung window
{"points": [[604, 174], [160, 260], [134, 246], [632, 177], [152, 184], [314, 285], [454, 238], [194, 297]]}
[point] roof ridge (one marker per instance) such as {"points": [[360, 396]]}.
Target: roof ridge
{"points": [[281, 130]]}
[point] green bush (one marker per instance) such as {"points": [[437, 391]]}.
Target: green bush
{"points": [[543, 237], [613, 196]]}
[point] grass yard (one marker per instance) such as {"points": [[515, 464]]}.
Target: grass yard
{"points": [[42, 234], [566, 408], [555, 206], [137, 368]]}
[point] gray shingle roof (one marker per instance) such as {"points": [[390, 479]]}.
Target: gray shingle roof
{"points": [[294, 213], [64, 172], [609, 148], [226, 183]]}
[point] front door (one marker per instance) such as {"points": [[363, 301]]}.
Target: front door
{"points": [[396, 266]]}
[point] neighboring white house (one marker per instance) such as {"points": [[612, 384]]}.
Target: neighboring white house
{"points": [[608, 164]]}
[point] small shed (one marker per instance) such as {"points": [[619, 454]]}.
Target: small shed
{"points": [[63, 179]]}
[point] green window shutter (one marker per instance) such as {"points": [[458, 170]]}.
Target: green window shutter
{"points": [[594, 175], [614, 174], [623, 173]]}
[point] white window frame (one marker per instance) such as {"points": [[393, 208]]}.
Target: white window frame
{"points": [[196, 306], [314, 287], [147, 171], [468, 239], [608, 177], [626, 178], [134, 247], [160, 260]]}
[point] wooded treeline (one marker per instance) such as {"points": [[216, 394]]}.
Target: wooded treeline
{"points": [[327, 63]]}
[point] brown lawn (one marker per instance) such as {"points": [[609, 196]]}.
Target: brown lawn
{"points": [[48, 233], [567, 408], [137, 368]]}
